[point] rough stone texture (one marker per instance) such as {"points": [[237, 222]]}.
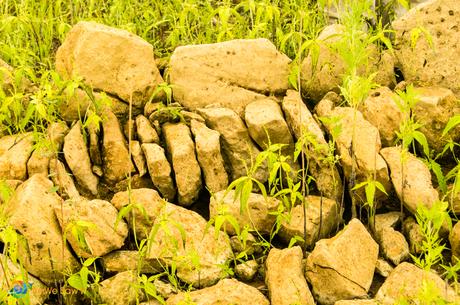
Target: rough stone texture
{"points": [[102, 236], [413, 234], [382, 111], [159, 169], [383, 267], [15, 151], [145, 132], [406, 281], [390, 219], [246, 271], [362, 139], [187, 171], [246, 244], [62, 179], [320, 213], [31, 213], [77, 158], [454, 201], [11, 186], [302, 124], [119, 289], [454, 238], [343, 267], [207, 144], [138, 158], [236, 143], [227, 291], [415, 186], [94, 133], [117, 164], [434, 108], [126, 68], [323, 74], [426, 65], [285, 279], [257, 214], [227, 73], [393, 245], [125, 260]]}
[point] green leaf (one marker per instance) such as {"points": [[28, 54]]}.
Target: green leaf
{"points": [[453, 122]]}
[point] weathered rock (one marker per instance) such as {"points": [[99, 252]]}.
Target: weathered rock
{"points": [[390, 220], [245, 243], [383, 267], [187, 172], [257, 214], [127, 69], [422, 63], [411, 178], [227, 73], [31, 213], [227, 291], [358, 145], [454, 238], [321, 214], [8, 187], [145, 132], [136, 182], [413, 234], [207, 144], [117, 164], [119, 289], [237, 145], [285, 279], [77, 158], [382, 111], [324, 73], [94, 133], [159, 169], [125, 260], [356, 302], [302, 124], [342, 267], [434, 107], [15, 151], [454, 200], [407, 282], [393, 245], [139, 159], [164, 289], [63, 180], [246, 271], [104, 233]]}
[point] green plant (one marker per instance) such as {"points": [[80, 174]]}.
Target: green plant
{"points": [[86, 280]]}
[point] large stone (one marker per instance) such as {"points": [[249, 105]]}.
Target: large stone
{"points": [[382, 111], [407, 282], [227, 291], [454, 239], [304, 126], [125, 260], [237, 145], [145, 132], [207, 144], [393, 245], [285, 279], [427, 64], [187, 171], [342, 267], [322, 218], [127, 68], [411, 178], [31, 213], [324, 73], [413, 233], [117, 164], [227, 73], [257, 214], [120, 289], [62, 180], [434, 107], [15, 151], [159, 169], [77, 158], [103, 233]]}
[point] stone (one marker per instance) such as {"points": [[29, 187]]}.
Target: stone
{"points": [[343, 267], [227, 291], [138, 158], [454, 200], [382, 111], [145, 132], [9, 83], [77, 158], [159, 169], [246, 243], [125, 260], [15, 151], [389, 219], [127, 69], [187, 171], [94, 134], [116, 162], [246, 271], [164, 289], [302, 124], [257, 215], [407, 281], [8, 187], [393, 245], [324, 73], [136, 182], [322, 218], [356, 302], [411, 178], [413, 233], [207, 145], [285, 279], [454, 239], [433, 110], [227, 73], [119, 289], [430, 61], [62, 180], [103, 234], [237, 146], [31, 213], [383, 267]]}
